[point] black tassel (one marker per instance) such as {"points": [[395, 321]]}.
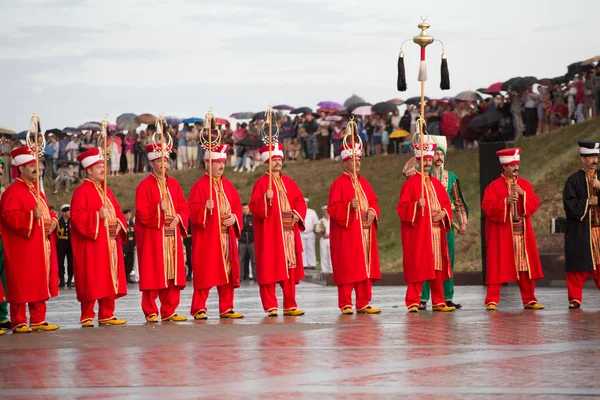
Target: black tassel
{"points": [[401, 73], [445, 82]]}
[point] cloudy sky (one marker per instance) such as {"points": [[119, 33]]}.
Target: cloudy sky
{"points": [[74, 60]]}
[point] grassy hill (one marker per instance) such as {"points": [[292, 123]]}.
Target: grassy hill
{"points": [[547, 161]]}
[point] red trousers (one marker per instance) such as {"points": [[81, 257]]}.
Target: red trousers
{"points": [[362, 290], [225, 299], [106, 309], [37, 313], [575, 282], [526, 285], [269, 297], [413, 292], [169, 301]]}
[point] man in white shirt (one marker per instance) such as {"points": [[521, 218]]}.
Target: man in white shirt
{"points": [[323, 231], [309, 256]]}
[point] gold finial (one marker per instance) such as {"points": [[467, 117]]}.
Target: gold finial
{"points": [[423, 39]]}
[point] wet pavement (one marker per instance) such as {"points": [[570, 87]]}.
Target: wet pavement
{"points": [[469, 354]]}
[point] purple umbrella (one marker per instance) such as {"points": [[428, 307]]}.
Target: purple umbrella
{"points": [[362, 111], [283, 107], [330, 105]]}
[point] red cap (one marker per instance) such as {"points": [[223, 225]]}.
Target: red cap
{"points": [[154, 151], [91, 157], [276, 152], [22, 156], [509, 156]]}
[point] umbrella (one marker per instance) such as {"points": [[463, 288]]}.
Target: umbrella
{"points": [[193, 120], [6, 131], [250, 142], [343, 112], [522, 84], [128, 122], [485, 120], [468, 95], [55, 132], [481, 90], [399, 133], [353, 100], [90, 126], [243, 115], [362, 111], [283, 107], [301, 110], [507, 85], [147, 119], [591, 60], [70, 129], [173, 121], [20, 136], [330, 105], [494, 88], [334, 118], [221, 121], [396, 101], [113, 128], [354, 106], [415, 100], [545, 82], [384, 107]]}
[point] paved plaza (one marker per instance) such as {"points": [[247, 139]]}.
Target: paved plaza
{"points": [[469, 354]]}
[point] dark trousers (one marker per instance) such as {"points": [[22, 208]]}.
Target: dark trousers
{"points": [[188, 260], [246, 251], [64, 251], [323, 147], [128, 256], [531, 121]]}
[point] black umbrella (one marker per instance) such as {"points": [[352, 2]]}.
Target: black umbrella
{"points": [[70, 129], [415, 100], [384, 107], [55, 132], [259, 115], [343, 112], [352, 100], [522, 84], [507, 85], [485, 120], [250, 142], [301, 110], [574, 68], [354, 106]]}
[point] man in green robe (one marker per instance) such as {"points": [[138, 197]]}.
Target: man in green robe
{"points": [[4, 322], [460, 216]]}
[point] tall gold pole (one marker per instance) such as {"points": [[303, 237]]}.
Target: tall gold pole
{"points": [[36, 120], [104, 133]]}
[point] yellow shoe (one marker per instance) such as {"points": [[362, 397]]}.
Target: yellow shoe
{"points": [[293, 313], [176, 318], [22, 329], [490, 307], [534, 306], [232, 315], [114, 321], [44, 327], [413, 309], [443, 308], [272, 313], [369, 310], [2, 332], [152, 318], [200, 315], [347, 311], [87, 324]]}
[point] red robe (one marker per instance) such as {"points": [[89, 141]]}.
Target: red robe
{"points": [[150, 232], [416, 231], [28, 277], [271, 264], [207, 253], [346, 236], [90, 243], [500, 257]]}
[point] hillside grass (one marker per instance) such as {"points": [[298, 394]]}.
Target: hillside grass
{"points": [[547, 161]]}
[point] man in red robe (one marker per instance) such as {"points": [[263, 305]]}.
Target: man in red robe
{"points": [[161, 219], [29, 239], [98, 230], [511, 250], [354, 209], [279, 211], [216, 215], [425, 217]]}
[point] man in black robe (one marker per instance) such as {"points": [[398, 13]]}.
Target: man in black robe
{"points": [[582, 235]]}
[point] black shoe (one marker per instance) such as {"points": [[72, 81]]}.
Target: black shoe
{"points": [[452, 304], [574, 305], [70, 285], [61, 285], [5, 324], [130, 281], [423, 305], [189, 279]]}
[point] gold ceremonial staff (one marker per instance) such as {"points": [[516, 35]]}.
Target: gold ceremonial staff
{"points": [[36, 149], [351, 130], [164, 148], [423, 39], [104, 130], [210, 143], [269, 138]]}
